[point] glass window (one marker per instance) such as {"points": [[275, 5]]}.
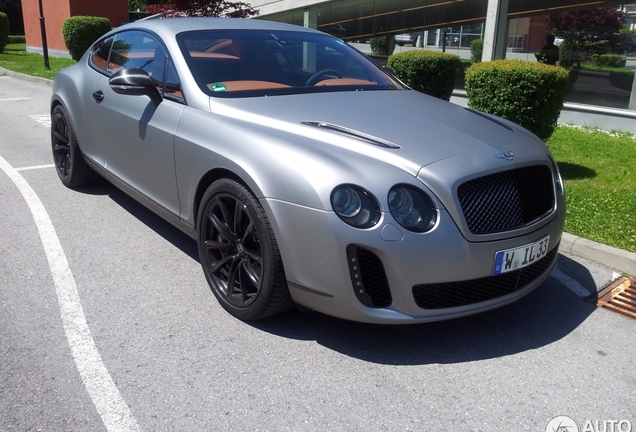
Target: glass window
{"points": [[101, 50], [595, 44], [230, 63], [141, 50]]}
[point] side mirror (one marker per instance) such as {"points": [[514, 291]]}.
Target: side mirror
{"points": [[135, 82]]}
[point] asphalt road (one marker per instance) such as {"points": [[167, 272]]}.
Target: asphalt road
{"points": [[106, 323]]}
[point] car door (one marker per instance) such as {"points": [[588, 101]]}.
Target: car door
{"points": [[134, 134]]}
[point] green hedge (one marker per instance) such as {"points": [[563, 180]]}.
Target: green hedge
{"points": [[609, 60], [476, 50], [80, 32], [429, 72], [379, 45], [4, 31], [17, 39], [528, 93]]}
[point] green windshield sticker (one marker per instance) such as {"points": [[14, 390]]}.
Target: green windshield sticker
{"points": [[217, 87]]}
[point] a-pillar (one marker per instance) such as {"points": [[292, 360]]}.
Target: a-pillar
{"points": [[496, 31]]}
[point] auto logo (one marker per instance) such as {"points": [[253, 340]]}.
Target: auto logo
{"points": [[507, 155]]}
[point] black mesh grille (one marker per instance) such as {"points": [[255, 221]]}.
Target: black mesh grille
{"points": [[507, 200], [368, 277], [454, 294]]}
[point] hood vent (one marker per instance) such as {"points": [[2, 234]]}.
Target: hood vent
{"points": [[361, 136]]}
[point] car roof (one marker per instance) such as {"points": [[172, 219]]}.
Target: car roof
{"points": [[174, 26]]}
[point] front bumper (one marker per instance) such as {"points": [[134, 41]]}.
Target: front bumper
{"points": [[442, 261]]}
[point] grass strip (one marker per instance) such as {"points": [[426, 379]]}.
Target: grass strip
{"points": [[15, 58], [599, 173]]}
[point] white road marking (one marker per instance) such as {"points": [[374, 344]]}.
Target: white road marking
{"points": [[34, 167], [573, 285], [108, 401], [13, 99], [43, 119]]}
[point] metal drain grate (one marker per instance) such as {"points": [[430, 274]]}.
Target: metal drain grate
{"points": [[620, 297]]}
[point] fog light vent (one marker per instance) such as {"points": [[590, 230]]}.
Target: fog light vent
{"points": [[368, 277]]}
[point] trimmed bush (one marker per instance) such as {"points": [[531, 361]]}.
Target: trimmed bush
{"points": [[609, 60], [4, 31], [379, 45], [429, 72], [17, 39], [80, 32], [476, 50], [528, 93]]}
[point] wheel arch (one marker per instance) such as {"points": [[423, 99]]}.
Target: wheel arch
{"points": [[204, 183]]}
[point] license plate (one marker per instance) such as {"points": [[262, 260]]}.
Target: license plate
{"points": [[514, 259]]}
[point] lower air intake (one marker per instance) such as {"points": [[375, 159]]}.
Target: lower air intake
{"points": [[455, 294]]}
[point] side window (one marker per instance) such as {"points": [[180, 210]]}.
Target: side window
{"points": [[172, 86], [101, 50], [141, 50], [132, 49]]}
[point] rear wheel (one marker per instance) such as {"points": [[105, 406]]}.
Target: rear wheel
{"points": [[239, 253], [69, 162]]}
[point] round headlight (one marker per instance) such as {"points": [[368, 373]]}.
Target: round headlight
{"points": [[412, 208], [355, 206]]}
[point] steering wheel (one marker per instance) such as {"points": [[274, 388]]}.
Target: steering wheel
{"points": [[318, 76]]}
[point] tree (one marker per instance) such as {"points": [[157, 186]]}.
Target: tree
{"points": [[588, 30], [204, 8], [136, 5]]}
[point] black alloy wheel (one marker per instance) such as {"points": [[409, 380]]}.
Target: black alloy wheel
{"points": [[239, 253], [69, 162]]}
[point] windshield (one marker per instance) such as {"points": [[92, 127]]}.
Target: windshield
{"points": [[235, 63]]}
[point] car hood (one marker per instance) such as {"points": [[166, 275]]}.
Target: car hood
{"points": [[405, 128]]}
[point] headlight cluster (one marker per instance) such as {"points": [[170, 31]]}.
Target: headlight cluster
{"points": [[355, 206], [410, 207]]}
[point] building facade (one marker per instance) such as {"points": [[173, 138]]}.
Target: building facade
{"points": [[54, 14], [509, 28]]}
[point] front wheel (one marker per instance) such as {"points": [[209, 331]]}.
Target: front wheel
{"points": [[239, 253]]}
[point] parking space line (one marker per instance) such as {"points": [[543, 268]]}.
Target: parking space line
{"points": [[13, 99], [35, 167], [113, 410], [43, 119], [573, 285]]}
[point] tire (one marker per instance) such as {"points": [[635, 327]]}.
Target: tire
{"points": [[69, 162], [239, 253]]}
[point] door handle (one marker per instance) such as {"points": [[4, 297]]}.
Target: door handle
{"points": [[98, 96]]}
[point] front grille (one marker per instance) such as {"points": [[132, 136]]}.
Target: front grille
{"points": [[507, 200], [368, 277], [454, 294]]}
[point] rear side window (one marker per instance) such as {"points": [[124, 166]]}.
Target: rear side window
{"points": [[101, 51]]}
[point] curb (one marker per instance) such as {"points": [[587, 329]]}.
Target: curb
{"points": [[617, 259], [25, 77]]}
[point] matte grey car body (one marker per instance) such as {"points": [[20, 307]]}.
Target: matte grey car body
{"points": [[328, 184]]}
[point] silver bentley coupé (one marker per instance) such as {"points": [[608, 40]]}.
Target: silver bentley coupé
{"points": [[307, 174]]}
